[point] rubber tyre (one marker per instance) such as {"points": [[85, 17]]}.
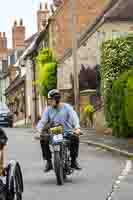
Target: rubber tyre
{"points": [[58, 168], [15, 181], [18, 195]]}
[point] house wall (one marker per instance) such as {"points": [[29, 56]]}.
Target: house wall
{"points": [[113, 30], [16, 102], [87, 56], [106, 32], [62, 22], [89, 53]]}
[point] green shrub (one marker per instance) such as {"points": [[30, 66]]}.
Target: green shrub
{"points": [[116, 58], [121, 105], [88, 109], [87, 115]]}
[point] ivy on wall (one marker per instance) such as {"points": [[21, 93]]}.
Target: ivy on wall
{"points": [[46, 71]]}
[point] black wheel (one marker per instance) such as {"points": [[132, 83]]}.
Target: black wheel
{"points": [[58, 166], [14, 182], [17, 194], [2, 196], [2, 190]]}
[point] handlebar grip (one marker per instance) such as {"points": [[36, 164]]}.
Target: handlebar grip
{"points": [[80, 134]]}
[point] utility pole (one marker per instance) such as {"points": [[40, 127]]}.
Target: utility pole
{"points": [[74, 53]]}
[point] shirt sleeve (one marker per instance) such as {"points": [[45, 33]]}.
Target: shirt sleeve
{"points": [[44, 120], [73, 118]]}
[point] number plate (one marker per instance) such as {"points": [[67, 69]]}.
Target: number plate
{"points": [[57, 148], [58, 138]]}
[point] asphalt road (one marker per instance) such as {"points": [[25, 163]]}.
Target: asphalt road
{"points": [[100, 170]]}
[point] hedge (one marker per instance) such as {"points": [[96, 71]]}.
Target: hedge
{"points": [[116, 58], [121, 105]]}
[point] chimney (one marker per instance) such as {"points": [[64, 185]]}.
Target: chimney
{"points": [[40, 6], [42, 17], [0, 40], [52, 9], [15, 23], [58, 3], [4, 40], [21, 22], [18, 35], [46, 6]]}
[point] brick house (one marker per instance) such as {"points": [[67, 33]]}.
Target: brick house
{"points": [[86, 12], [115, 19], [15, 95]]}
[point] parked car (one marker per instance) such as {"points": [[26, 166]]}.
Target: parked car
{"points": [[6, 116]]}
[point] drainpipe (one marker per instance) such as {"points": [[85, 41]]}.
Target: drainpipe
{"points": [[35, 95], [25, 100]]}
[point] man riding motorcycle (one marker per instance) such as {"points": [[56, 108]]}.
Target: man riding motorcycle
{"points": [[64, 114]]}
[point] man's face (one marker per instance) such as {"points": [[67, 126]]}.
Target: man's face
{"points": [[52, 102]]}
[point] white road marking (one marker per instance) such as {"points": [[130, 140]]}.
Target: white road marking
{"points": [[125, 172]]}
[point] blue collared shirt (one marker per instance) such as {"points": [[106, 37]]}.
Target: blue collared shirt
{"points": [[64, 115]]}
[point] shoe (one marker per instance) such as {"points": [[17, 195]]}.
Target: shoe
{"points": [[48, 166], [75, 165]]}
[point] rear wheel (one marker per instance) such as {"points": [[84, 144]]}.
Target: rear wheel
{"points": [[58, 166]]}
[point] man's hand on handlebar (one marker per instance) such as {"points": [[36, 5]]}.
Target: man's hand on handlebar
{"points": [[77, 132], [37, 135]]}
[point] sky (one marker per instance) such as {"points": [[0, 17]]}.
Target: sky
{"points": [[16, 9]]}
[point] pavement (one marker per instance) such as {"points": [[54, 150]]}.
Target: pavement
{"points": [[101, 169], [120, 146]]}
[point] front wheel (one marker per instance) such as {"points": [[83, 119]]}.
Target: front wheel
{"points": [[14, 181], [58, 166]]}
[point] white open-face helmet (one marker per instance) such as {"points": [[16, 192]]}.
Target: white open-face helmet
{"points": [[54, 94]]}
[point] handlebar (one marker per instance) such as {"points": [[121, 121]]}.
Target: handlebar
{"points": [[80, 134], [47, 135]]}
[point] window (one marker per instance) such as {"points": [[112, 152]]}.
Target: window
{"points": [[12, 59], [0, 66]]}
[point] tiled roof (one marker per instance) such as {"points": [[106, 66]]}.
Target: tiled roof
{"points": [[123, 10], [14, 84]]}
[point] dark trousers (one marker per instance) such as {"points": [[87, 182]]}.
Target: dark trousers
{"points": [[74, 148]]}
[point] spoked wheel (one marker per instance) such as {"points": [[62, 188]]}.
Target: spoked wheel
{"points": [[2, 190], [58, 166], [14, 181], [17, 194]]}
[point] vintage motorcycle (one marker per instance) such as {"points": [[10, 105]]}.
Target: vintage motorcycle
{"points": [[61, 152]]}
